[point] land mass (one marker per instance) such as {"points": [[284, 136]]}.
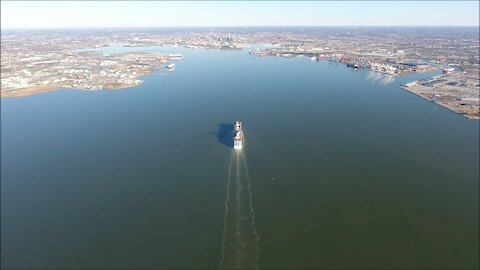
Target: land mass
{"points": [[38, 61], [454, 91]]}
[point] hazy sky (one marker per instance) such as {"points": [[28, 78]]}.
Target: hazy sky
{"points": [[57, 14]]}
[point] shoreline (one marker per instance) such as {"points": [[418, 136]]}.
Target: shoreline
{"points": [[38, 89], [28, 91], [438, 103]]}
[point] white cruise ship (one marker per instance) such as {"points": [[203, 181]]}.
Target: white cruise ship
{"points": [[238, 138]]}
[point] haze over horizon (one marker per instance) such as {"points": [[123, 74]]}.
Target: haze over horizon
{"points": [[122, 14]]}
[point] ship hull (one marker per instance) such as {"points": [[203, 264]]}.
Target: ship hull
{"points": [[238, 137]]}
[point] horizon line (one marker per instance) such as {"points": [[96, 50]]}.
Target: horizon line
{"points": [[231, 26]]}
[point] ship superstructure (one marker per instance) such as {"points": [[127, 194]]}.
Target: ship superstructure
{"points": [[238, 137]]}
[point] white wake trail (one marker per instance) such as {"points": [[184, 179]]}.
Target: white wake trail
{"points": [[227, 198], [252, 212], [240, 241], [238, 219]]}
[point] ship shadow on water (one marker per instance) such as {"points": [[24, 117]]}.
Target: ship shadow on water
{"points": [[225, 134]]}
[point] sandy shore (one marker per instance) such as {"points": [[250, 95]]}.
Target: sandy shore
{"points": [[27, 91], [45, 88]]}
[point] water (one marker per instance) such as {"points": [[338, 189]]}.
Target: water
{"points": [[341, 169], [240, 240]]}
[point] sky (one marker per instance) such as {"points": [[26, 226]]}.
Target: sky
{"points": [[111, 14]]}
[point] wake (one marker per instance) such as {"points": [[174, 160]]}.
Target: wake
{"points": [[227, 198], [240, 240], [252, 212]]}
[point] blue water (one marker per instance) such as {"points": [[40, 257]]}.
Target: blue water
{"points": [[345, 170]]}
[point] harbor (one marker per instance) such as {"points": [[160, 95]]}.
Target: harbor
{"points": [[450, 90], [340, 169]]}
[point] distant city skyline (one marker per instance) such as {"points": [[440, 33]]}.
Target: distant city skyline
{"points": [[116, 14]]}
